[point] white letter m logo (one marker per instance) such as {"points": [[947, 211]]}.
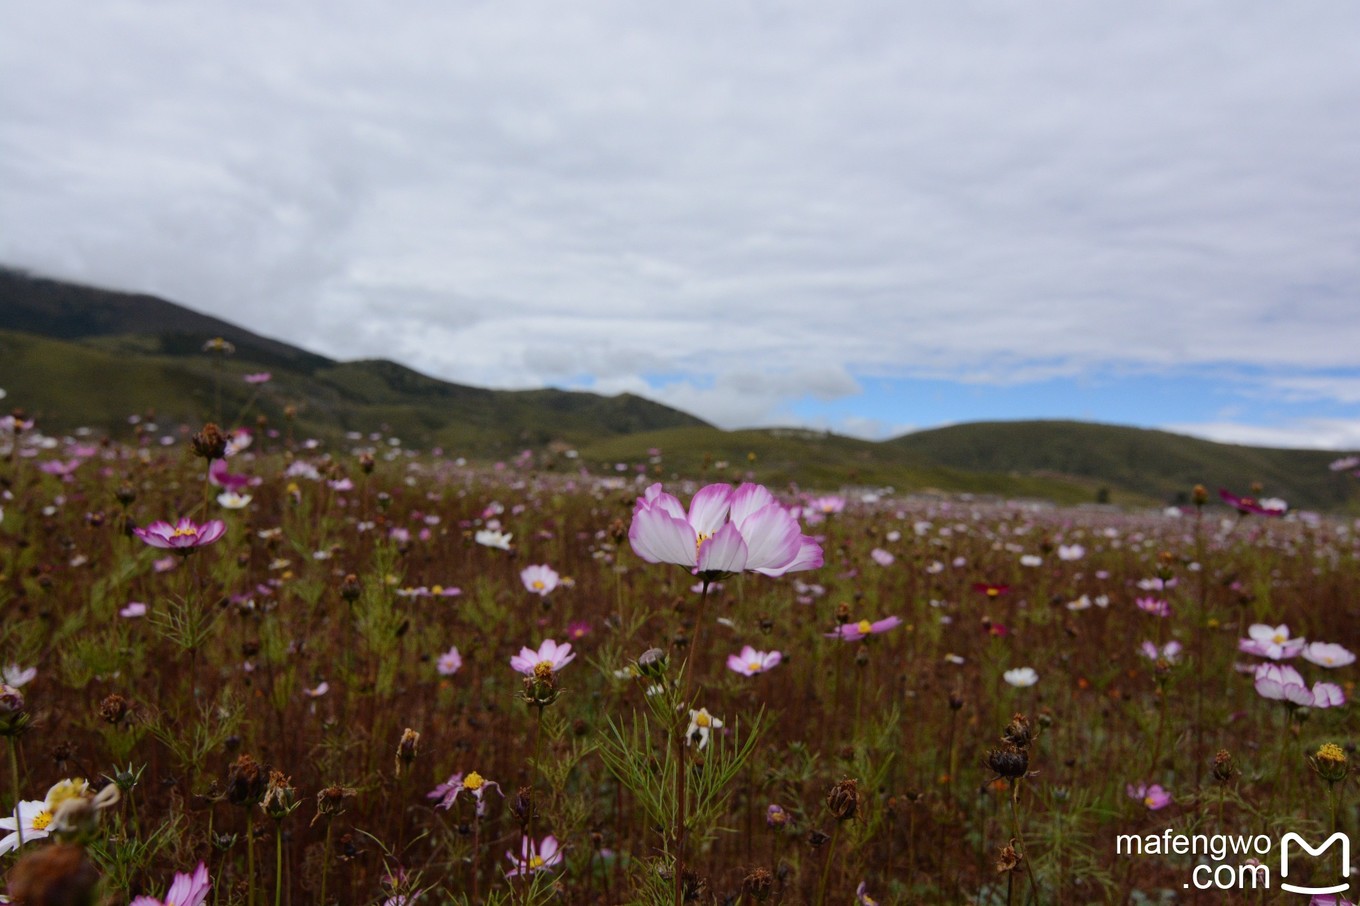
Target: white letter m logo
{"points": [[1345, 862]]}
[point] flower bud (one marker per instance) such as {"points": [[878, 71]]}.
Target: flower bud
{"points": [[844, 800], [407, 750], [1330, 763], [210, 443]]}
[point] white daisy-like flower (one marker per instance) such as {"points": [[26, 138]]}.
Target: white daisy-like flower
{"points": [[35, 815], [701, 726], [493, 538], [1021, 677], [17, 676]]}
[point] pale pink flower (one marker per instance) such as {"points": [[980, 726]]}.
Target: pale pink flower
{"points": [[185, 890], [882, 557], [555, 656], [750, 662], [1270, 641], [724, 532], [1154, 796], [535, 857], [472, 783], [852, 632], [449, 662], [539, 579], [1327, 654]]}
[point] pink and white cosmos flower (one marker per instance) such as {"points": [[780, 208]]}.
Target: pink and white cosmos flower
{"points": [[852, 632], [540, 579], [750, 662], [551, 654], [724, 532], [183, 536], [185, 890], [1271, 641], [1327, 654]]}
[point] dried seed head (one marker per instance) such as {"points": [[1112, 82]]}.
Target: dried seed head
{"points": [[1224, 768], [210, 443], [955, 700], [1011, 763], [1008, 859], [114, 709], [351, 588], [1019, 733], [817, 838], [844, 800], [842, 613], [407, 750], [1200, 495], [246, 782], [280, 799], [330, 802], [366, 463], [758, 884]]}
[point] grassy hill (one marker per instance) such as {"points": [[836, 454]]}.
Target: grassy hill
{"points": [[75, 355], [1155, 463]]}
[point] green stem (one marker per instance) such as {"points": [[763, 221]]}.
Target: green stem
{"points": [[14, 771], [1019, 838], [682, 767], [326, 864], [278, 863], [250, 857], [826, 866]]}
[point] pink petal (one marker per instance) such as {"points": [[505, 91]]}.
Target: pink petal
{"points": [[661, 538], [749, 498], [708, 509], [725, 552]]}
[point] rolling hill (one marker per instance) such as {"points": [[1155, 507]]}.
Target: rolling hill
{"points": [[76, 355]]}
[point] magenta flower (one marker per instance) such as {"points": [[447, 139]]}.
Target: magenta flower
{"points": [[724, 532], [1250, 505], [750, 662], [862, 897], [472, 783], [535, 857], [1327, 654], [852, 632], [260, 377], [222, 478], [540, 579], [549, 654], [1154, 797], [185, 890], [183, 536], [449, 662], [1155, 606], [578, 630], [1270, 641]]}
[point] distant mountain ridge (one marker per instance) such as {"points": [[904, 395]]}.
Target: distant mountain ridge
{"points": [[77, 355], [86, 355]]}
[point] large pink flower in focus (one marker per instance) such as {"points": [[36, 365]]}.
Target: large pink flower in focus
{"points": [[183, 535], [185, 890], [549, 653], [724, 532]]}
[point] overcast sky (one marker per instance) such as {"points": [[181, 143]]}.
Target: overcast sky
{"points": [[867, 216]]}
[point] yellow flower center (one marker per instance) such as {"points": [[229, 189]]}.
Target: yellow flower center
{"points": [[437, 590], [473, 781], [992, 592], [41, 820], [538, 585], [1280, 638], [184, 533], [535, 861], [864, 627], [543, 670], [1148, 801], [699, 541], [753, 665], [702, 719]]}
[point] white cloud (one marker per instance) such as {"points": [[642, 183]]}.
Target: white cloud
{"points": [[1314, 434], [738, 198]]}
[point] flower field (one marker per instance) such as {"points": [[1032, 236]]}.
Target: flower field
{"points": [[292, 672]]}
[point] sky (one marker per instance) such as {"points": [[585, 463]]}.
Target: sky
{"points": [[871, 217]]}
